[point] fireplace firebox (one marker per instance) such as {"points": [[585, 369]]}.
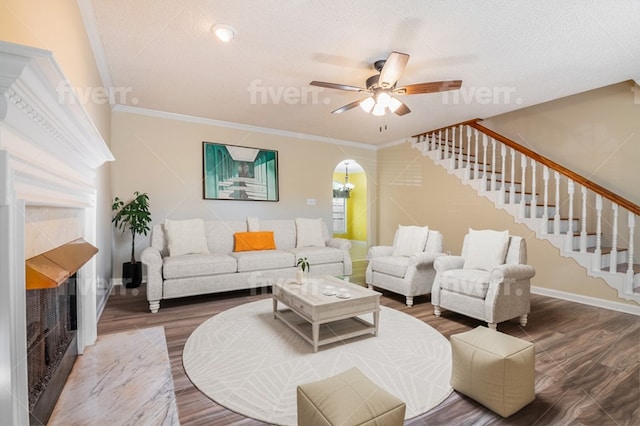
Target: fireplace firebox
{"points": [[51, 319], [51, 345]]}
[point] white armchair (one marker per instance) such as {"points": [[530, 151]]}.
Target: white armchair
{"points": [[490, 281], [406, 267]]}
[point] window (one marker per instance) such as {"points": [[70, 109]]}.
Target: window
{"points": [[339, 215]]}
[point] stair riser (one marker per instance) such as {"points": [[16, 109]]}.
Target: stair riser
{"points": [[564, 226], [551, 211]]}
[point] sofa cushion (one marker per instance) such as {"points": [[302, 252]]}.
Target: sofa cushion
{"points": [[309, 233], [186, 237], [391, 265], [220, 234], [319, 255], [247, 241], [284, 232], [263, 260], [472, 282], [194, 265], [485, 249], [410, 240]]}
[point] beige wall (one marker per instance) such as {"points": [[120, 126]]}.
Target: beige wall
{"points": [[594, 132], [163, 157], [56, 25]]}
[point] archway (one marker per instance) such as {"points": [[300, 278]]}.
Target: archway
{"points": [[350, 206]]}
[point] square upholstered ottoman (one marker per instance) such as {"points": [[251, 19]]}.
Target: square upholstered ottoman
{"points": [[349, 398], [495, 369]]}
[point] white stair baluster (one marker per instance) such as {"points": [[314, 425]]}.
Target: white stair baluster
{"points": [[461, 152], [613, 256], [571, 188], [512, 187], [583, 221], [523, 167], [556, 216], [545, 208], [476, 172], [467, 172], [493, 165], [452, 159], [445, 153], [485, 142], [534, 196], [503, 174], [596, 265], [632, 224], [439, 145]]}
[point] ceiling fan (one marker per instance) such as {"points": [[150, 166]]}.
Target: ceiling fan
{"points": [[382, 87]]}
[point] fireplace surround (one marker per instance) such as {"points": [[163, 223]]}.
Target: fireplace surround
{"points": [[50, 153]]}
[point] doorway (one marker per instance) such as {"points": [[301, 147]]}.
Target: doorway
{"points": [[350, 206]]}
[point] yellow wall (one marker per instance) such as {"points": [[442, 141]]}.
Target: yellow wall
{"points": [[357, 207], [414, 191], [163, 157]]}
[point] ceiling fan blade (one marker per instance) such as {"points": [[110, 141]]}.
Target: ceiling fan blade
{"points": [[402, 110], [347, 107], [393, 67], [337, 86], [432, 87]]}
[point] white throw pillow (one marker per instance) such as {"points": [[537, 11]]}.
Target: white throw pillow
{"points": [[410, 240], [309, 233], [486, 249], [253, 224], [186, 237]]}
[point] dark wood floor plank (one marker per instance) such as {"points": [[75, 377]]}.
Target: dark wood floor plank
{"points": [[587, 359]]}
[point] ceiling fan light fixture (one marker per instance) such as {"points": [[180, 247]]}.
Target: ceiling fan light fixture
{"points": [[367, 104], [383, 99], [223, 32], [378, 110], [394, 104]]}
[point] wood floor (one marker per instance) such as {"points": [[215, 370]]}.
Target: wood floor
{"points": [[587, 359]]}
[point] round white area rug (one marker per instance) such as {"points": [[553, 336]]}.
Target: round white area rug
{"points": [[251, 363]]}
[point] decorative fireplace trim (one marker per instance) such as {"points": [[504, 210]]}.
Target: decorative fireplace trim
{"points": [[50, 151]]}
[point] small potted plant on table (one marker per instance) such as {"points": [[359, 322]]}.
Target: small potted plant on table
{"points": [[134, 217], [303, 269]]}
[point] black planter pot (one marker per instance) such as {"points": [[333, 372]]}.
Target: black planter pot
{"points": [[132, 274]]}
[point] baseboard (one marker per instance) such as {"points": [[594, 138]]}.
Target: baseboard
{"points": [[586, 300]]}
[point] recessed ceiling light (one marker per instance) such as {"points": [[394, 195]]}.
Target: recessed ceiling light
{"points": [[224, 32]]}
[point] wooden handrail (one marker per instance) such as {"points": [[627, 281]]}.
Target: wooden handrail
{"points": [[615, 198], [464, 123], [622, 202]]}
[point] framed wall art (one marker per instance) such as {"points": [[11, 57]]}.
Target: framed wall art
{"points": [[234, 172]]}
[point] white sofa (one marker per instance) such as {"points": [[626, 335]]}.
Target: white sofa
{"points": [[209, 264]]}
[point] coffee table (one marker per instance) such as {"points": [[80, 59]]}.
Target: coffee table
{"points": [[321, 319]]}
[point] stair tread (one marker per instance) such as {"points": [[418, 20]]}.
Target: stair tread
{"points": [[605, 250]]}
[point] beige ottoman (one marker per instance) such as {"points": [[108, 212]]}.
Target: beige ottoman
{"points": [[495, 369], [349, 398]]}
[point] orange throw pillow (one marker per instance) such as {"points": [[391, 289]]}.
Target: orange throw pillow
{"points": [[246, 241]]}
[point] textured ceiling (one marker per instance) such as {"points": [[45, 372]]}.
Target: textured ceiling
{"points": [[161, 55]]}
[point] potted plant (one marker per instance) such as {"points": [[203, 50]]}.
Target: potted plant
{"points": [[134, 217], [303, 269]]}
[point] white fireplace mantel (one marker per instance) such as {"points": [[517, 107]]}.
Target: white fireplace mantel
{"points": [[50, 151]]}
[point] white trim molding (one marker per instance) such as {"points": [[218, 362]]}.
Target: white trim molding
{"points": [[50, 151], [586, 300]]}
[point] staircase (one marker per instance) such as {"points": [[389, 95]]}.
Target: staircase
{"points": [[582, 219]]}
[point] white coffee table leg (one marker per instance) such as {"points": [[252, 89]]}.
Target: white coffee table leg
{"points": [[315, 334], [275, 307], [376, 316]]}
